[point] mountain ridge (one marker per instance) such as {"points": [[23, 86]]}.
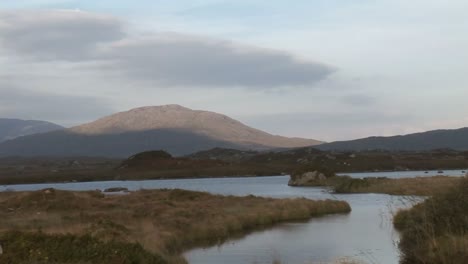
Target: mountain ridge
{"points": [[173, 128], [11, 128], [173, 116], [456, 139]]}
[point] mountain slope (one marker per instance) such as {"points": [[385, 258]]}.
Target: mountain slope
{"points": [[456, 139], [13, 128], [214, 125], [173, 128], [68, 144]]}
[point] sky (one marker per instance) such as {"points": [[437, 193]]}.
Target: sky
{"points": [[322, 69]]}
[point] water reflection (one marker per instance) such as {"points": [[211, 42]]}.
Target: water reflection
{"points": [[366, 234]]}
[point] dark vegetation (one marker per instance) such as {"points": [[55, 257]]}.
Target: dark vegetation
{"points": [[348, 161], [26, 248], [68, 226], [436, 230], [16, 170], [221, 163]]}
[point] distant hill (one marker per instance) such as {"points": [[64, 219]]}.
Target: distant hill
{"points": [[13, 128], [210, 124], [456, 139], [173, 128]]}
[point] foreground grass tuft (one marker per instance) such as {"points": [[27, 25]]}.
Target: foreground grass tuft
{"points": [[41, 248], [436, 231]]}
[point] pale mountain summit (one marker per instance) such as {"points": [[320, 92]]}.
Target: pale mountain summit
{"points": [[173, 128], [213, 125]]}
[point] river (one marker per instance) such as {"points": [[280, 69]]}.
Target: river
{"points": [[366, 234]]}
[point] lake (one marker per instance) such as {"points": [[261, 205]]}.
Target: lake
{"points": [[366, 234]]}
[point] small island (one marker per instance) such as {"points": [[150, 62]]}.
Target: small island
{"points": [[421, 186]]}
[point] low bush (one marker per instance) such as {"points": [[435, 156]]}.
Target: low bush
{"points": [[436, 231]]}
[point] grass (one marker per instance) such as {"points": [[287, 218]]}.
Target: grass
{"points": [[421, 186], [436, 231], [38, 247], [163, 222], [338, 261]]}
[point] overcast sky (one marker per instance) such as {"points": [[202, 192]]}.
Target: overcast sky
{"points": [[322, 69]]}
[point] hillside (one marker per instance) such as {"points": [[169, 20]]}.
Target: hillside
{"points": [[456, 139], [68, 144], [213, 125], [13, 128], [173, 128]]}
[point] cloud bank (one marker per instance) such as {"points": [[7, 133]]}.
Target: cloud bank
{"points": [[164, 59]]}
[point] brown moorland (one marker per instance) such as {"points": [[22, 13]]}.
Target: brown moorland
{"points": [[436, 230], [421, 186], [163, 223]]}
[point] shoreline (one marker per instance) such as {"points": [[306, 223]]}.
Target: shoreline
{"points": [[10, 181]]}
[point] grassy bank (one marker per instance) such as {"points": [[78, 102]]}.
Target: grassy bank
{"points": [[163, 222], [422, 186], [436, 231]]}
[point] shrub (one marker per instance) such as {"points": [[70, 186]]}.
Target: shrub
{"points": [[436, 231]]}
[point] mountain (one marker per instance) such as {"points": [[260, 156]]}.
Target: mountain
{"points": [[173, 128], [213, 125], [456, 139], [13, 128]]}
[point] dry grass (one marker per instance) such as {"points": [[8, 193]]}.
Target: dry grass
{"points": [[436, 231], [165, 222], [422, 186], [338, 261]]}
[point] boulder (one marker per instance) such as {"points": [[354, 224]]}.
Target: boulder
{"points": [[116, 189], [307, 179]]}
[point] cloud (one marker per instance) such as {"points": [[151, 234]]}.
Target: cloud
{"points": [[358, 100], [180, 60], [159, 58], [58, 34], [63, 109]]}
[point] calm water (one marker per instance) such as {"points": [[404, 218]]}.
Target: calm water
{"points": [[365, 234]]}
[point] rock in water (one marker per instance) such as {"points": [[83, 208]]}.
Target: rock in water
{"points": [[308, 178], [116, 189]]}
